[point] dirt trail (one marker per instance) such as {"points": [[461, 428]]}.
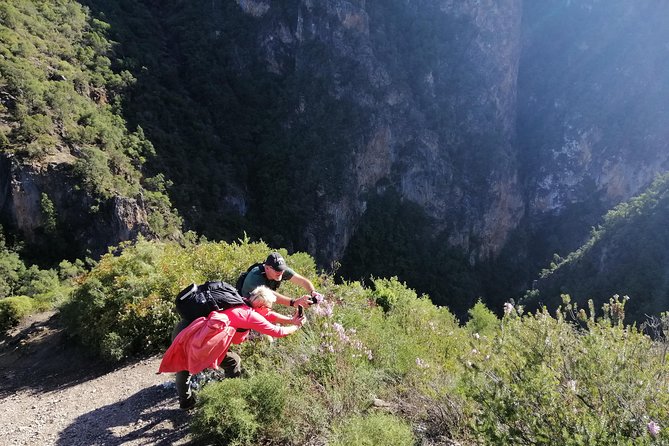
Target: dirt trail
{"points": [[51, 394]]}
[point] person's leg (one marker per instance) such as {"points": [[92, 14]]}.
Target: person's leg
{"points": [[232, 365], [182, 378]]}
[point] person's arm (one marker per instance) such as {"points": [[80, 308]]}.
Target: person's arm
{"points": [[287, 301], [303, 282], [280, 318], [281, 299], [256, 321]]}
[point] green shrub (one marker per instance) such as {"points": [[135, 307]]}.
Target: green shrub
{"points": [[239, 411], [35, 281], [414, 340], [12, 270], [482, 320], [543, 380], [132, 293], [13, 309], [112, 347], [391, 294], [68, 270], [373, 430]]}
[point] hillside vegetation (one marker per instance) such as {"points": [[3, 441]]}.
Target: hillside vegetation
{"points": [[62, 103], [144, 100], [27, 289], [382, 365], [626, 255], [104, 89]]}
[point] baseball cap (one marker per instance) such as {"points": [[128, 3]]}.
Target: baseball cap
{"points": [[276, 262]]}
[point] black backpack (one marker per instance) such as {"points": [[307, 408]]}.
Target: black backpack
{"points": [[198, 301]]}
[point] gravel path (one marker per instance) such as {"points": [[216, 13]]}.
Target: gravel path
{"points": [[51, 394]]}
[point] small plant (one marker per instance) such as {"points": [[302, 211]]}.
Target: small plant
{"points": [[240, 411], [373, 430], [482, 320], [13, 309]]}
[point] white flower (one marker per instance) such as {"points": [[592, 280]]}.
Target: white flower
{"points": [[421, 364], [508, 308]]}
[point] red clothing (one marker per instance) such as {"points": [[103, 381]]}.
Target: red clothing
{"points": [[205, 341]]}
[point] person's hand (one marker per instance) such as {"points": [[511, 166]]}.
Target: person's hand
{"points": [[304, 301], [316, 297], [298, 319]]}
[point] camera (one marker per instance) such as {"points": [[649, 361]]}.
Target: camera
{"points": [[315, 298]]}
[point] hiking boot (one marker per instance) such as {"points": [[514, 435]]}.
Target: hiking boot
{"points": [[188, 404]]}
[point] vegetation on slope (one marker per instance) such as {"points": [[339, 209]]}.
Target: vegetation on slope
{"points": [[25, 290], [625, 255], [223, 119], [382, 365], [60, 99]]}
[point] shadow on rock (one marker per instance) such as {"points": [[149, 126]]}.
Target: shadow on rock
{"points": [[147, 417]]}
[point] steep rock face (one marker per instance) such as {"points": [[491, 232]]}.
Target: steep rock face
{"points": [[592, 105], [486, 114], [440, 114], [45, 204]]}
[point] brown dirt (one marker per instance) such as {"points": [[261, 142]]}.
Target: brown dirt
{"points": [[52, 394]]}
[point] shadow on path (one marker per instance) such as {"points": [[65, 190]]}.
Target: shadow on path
{"points": [[145, 418], [37, 356]]}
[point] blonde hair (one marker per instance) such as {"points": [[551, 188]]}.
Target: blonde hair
{"points": [[262, 296]]}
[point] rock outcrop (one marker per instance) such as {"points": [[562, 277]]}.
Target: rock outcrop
{"points": [[45, 203], [440, 125]]}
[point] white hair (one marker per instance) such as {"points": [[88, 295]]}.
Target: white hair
{"points": [[261, 296]]}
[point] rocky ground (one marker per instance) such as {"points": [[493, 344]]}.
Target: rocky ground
{"points": [[52, 394]]}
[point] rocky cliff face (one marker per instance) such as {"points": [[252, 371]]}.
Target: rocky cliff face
{"points": [[44, 202], [440, 102], [481, 112], [493, 117], [592, 113]]}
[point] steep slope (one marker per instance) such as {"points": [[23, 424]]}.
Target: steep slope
{"points": [[297, 117], [456, 144], [71, 180], [626, 255], [592, 112]]}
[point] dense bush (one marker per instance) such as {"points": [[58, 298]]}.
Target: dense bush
{"points": [[543, 380], [373, 430], [125, 305], [24, 290], [234, 412], [13, 309]]}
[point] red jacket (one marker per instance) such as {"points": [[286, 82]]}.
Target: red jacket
{"points": [[205, 341]]}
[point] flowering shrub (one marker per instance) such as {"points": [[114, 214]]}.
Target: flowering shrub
{"points": [[568, 378], [544, 380]]}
